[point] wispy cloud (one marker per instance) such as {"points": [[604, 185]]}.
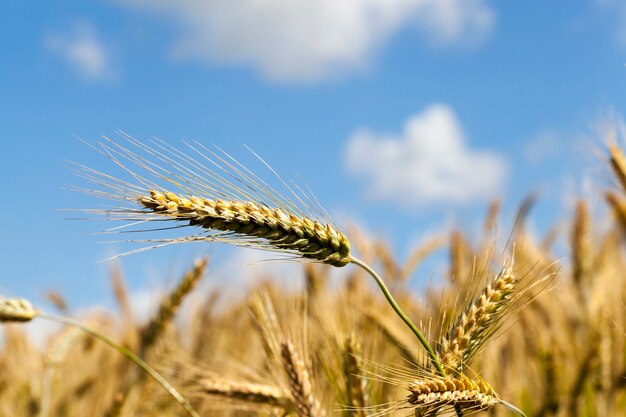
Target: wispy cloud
{"points": [[543, 147], [428, 163], [617, 10], [309, 40], [83, 51]]}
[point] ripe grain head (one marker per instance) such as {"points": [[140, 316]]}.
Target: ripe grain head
{"points": [[217, 197], [475, 324], [463, 392]]}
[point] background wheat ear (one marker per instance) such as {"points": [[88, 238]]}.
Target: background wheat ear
{"points": [[356, 385], [617, 161], [299, 382], [171, 302]]}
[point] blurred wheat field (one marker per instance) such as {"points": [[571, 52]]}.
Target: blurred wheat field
{"points": [[551, 341]]}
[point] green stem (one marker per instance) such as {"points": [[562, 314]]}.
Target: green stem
{"points": [[431, 353], [130, 355]]}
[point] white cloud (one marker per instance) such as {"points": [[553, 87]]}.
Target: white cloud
{"points": [[308, 40], [83, 51], [428, 163], [617, 11]]}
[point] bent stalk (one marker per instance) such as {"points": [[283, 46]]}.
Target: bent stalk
{"points": [[381, 284]]}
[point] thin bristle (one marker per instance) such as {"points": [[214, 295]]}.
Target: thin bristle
{"points": [[16, 310], [282, 230]]}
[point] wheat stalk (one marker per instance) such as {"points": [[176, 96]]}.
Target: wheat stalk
{"points": [[582, 248]]}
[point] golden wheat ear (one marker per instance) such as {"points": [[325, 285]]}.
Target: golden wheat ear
{"points": [[275, 228], [474, 325], [216, 197]]}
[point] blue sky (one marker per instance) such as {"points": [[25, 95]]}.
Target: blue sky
{"points": [[395, 112]]}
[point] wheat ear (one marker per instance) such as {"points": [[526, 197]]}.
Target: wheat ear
{"points": [[356, 386], [463, 392], [618, 205], [582, 255], [171, 303], [281, 229], [299, 382], [458, 347], [617, 160], [459, 254], [245, 391], [16, 310]]}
